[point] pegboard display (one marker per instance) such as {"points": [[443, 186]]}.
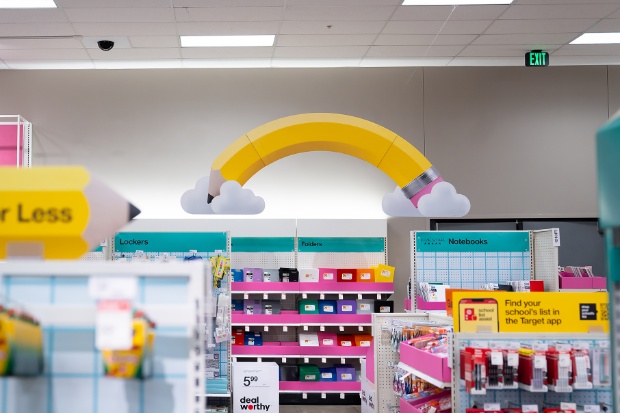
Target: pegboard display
{"points": [[386, 358], [93, 256], [340, 259], [196, 246], [272, 260], [73, 380], [546, 259], [513, 398], [469, 260]]}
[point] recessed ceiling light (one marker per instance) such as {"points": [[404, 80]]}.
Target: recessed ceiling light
{"points": [[228, 41], [452, 2], [27, 4], [597, 38]]}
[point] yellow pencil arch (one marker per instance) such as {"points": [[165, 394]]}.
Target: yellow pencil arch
{"points": [[333, 132]]}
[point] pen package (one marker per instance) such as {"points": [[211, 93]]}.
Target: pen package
{"points": [[601, 365], [475, 370], [581, 367], [559, 368], [533, 368]]}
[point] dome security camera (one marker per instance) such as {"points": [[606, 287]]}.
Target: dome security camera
{"points": [[105, 45]]}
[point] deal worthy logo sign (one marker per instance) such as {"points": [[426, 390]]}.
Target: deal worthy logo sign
{"points": [[254, 403]]}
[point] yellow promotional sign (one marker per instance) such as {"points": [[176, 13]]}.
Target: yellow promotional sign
{"points": [[509, 312], [56, 212]]}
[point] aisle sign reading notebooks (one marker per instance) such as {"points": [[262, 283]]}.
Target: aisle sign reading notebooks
{"points": [[510, 312], [256, 387]]}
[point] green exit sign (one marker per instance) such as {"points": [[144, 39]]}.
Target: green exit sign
{"points": [[537, 58]]}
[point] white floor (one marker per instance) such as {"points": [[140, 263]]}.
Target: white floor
{"points": [[320, 409]]}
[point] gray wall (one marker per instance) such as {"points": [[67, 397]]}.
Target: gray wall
{"points": [[519, 142]]}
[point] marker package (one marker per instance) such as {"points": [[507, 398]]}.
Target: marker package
{"points": [[533, 368], [580, 361], [601, 365], [475, 370], [559, 368]]}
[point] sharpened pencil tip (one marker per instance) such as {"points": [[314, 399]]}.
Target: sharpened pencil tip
{"points": [[133, 211]]}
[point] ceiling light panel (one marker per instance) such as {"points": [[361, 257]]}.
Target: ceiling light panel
{"points": [[597, 38], [27, 4], [228, 41]]}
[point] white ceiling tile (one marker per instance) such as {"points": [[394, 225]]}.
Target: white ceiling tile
{"points": [[120, 15], [404, 62], [125, 29], [135, 54], [226, 52], [369, 13], [112, 3], [321, 52], [487, 61], [615, 15], [413, 51], [422, 13], [44, 54], [155, 41], [533, 39], [331, 27], [589, 50], [423, 39], [487, 12], [227, 3], [32, 16], [226, 28], [540, 26], [39, 29], [564, 1], [231, 14], [302, 63], [606, 25], [501, 51], [49, 64], [69, 43], [434, 27], [139, 64], [560, 11], [226, 63], [325, 40]]}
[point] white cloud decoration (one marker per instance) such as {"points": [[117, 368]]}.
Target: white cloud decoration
{"points": [[194, 201], [442, 202], [396, 204], [233, 200]]}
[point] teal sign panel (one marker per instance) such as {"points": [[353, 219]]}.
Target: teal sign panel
{"points": [[370, 244], [263, 244], [169, 241], [461, 241]]}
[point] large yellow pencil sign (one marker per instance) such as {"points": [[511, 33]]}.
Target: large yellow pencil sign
{"points": [[332, 132], [506, 312], [56, 212]]}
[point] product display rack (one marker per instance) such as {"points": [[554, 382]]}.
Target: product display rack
{"points": [[15, 135], [287, 325], [386, 357], [56, 293], [517, 397], [199, 246]]}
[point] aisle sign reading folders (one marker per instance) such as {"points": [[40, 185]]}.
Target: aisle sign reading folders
{"points": [[256, 387], [509, 312]]}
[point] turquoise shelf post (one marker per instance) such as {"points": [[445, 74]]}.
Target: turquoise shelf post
{"points": [[608, 168]]}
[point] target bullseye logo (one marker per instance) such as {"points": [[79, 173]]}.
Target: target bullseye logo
{"points": [[470, 314]]}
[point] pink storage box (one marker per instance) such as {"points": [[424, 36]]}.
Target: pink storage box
{"points": [[407, 304], [428, 305], [412, 405], [328, 339], [328, 275], [428, 363], [599, 282], [569, 281]]}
